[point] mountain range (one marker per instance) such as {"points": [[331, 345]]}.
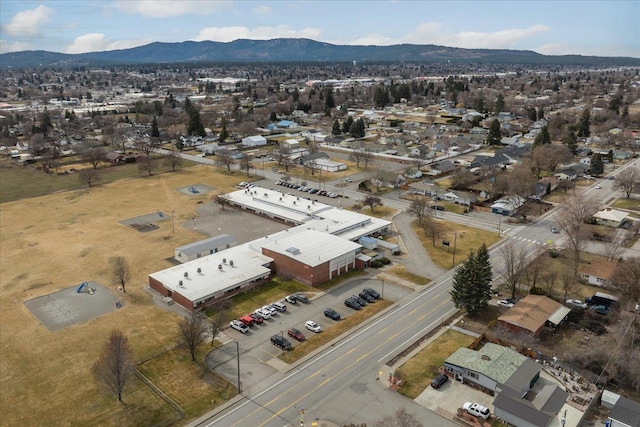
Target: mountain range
{"points": [[297, 50]]}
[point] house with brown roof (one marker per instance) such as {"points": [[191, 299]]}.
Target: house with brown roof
{"points": [[532, 313], [114, 157], [598, 274]]}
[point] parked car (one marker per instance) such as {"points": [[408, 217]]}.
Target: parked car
{"points": [[505, 303], [331, 314], [554, 230], [577, 303], [349, 180], [437, 207], [281, 342], [239, 326], [439, 380], [296, 334], [352, 303], [247, 320], [365, 296], [360, 301], [477, 410], [279, 306], [312, 326], [271, 310], [600, 309], [257, 318], [301, 297], [372, 292], [291, 299], [266, 314]]}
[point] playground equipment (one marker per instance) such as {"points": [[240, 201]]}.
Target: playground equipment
{"points": [[84, 287], [194, 190]]}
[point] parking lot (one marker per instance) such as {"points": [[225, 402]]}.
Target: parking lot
{"points": [[259, 356]]}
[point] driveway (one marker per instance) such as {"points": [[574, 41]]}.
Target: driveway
{"points": [[417, 260], [449, 397]]}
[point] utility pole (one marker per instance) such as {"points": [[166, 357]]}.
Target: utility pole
{"points": [[455, 239]]}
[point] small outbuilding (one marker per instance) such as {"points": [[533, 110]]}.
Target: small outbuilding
{"points": [[254, 141], [204, 247]]}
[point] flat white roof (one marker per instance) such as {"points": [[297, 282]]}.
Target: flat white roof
{"points": [[248, 265], [310, 247]]}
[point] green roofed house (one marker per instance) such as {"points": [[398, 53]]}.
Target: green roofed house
{"points": [[491, 365]]}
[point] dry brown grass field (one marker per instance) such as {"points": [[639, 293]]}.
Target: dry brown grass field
{"points": [[55, 241]]}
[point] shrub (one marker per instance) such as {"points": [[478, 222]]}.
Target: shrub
{"points": [[536, 291], [376, 263], [385, 261]]}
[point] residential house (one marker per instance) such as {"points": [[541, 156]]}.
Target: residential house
{"points": [[524, 404], [507, 206], [424, 188], [286, 124], [533, 312], [291, 143], [459, 197], [443, 167], [598, 274], [583, 151], [254, 141], [585, 161], [490, 366], [114, 157], [625, 413], [621, 155], [513, 153], [489, 162], [567, 174], [610, 217]]}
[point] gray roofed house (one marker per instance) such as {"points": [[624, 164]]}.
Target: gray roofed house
{"points": [[313, 156], [535, 407], [444, 167], [496, 161], [487, 367], [204, 247], [625, 413]]}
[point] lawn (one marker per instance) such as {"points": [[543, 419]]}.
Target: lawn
{"points": [[192, 385], [461, 237], [315, 341], [400, 271], [58, 240], [418, 371], [630, 204], [383, 212]]}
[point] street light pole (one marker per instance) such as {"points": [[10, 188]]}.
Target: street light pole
{"points": [[238, 354]]}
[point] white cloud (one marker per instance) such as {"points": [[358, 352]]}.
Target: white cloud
{"points": [[262, 10], [167, 8], [6, 46], [227, 34], [28, 22], [435, 33], [96, 42]]}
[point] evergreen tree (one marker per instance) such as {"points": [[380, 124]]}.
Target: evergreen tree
{"points": [[494, 136], [571, 141], [597, 166], [381, 96], [484, 264], [584, 125], [471, 289], [540, 113], [336, 130], [329, 102], [542, 137], [223, 133], [346, 125], [155, 132], [610, 156], [499, 104]]}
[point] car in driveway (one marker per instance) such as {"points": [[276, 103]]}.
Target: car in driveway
{"points": [[372, 292], [577, 303], [505, 303], [296, 334], [281, 342], [312, 326], [477, 410], [600, 309], [239, 326], [331, 314], [439, 381], [352, 303]]}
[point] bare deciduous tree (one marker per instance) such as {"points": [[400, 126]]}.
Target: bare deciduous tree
{"points": [[515, 262], [419, 208], [222, 200], [147, 164], [567, 283], [613, 247], [89, 176], [246, 164], [173, 160], [432, 228], [626, 278], [121, 273], [535, 267], [372, 201], [223, 158], [115, 364], [218, 318], [575, 210], [628, 180], [92, 155], [549, 281], [192, 332]]}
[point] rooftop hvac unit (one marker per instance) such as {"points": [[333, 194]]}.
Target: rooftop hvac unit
{"points": [[186, 274], [231, 262], [294, 202], [280, 199], [219, 266], [180, 283], [266, 195], [199, 270], [224, 260]]}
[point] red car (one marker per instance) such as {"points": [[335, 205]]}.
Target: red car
{"points": [[296, 334], [247, 320], [256, 318]]}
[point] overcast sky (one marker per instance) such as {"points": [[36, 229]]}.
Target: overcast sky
{"points": [[603, 28]]}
